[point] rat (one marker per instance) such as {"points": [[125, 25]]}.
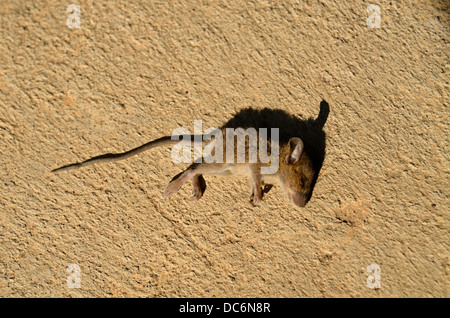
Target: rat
{"points": [[301, 152]]}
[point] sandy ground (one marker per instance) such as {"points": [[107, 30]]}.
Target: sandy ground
{"points": [[134, 71]]}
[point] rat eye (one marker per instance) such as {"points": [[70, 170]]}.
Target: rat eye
{"points": [[302, 181]]}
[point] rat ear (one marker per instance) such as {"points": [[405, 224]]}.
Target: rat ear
{"points": [[295, 150]]}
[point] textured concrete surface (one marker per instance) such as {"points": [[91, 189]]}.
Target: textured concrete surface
{"points": [[136, 70]]}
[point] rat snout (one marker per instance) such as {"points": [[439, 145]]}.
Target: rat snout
{"points": [[299, 199]]}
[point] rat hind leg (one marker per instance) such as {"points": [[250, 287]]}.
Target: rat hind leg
{"points": [[178, 181], [199, 186], [194, 172]]}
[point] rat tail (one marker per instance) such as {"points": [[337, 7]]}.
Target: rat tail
{"points": [[111, 157]]}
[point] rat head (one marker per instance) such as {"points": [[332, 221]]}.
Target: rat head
{"points": [[296, 172]]}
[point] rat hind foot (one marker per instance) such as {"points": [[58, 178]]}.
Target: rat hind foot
{"points": [[199, 187], [177, 182], [172, 187]]}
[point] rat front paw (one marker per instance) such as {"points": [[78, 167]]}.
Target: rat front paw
{"points": [[255, 200]]}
